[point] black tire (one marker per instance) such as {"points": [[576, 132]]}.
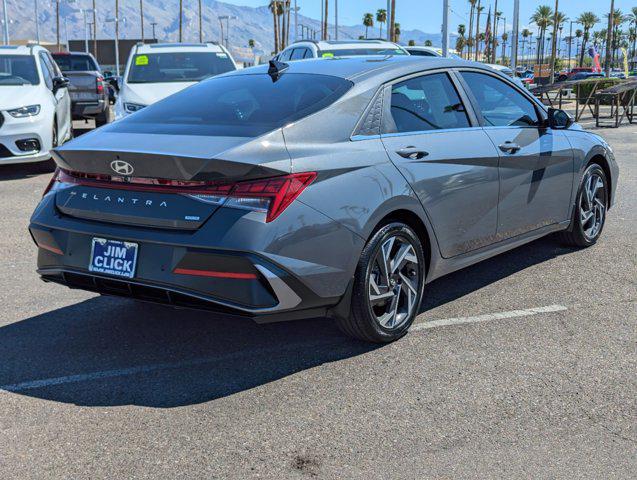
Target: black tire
{"points": [[576, 235], [362, 322], [103, 118]]}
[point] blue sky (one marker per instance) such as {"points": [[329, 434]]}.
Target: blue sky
{"points": [[427, 14]]}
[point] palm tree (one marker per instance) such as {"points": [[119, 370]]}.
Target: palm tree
{"points": [[505, 38], [396, 31], [368, 21], [428, 43], [543, 18], [461, 41], [381, 18], [526, 33], [618, 20], [274, 8], [470, 36], [392, 17], [587, 20], [479, 10], [632, 17]]}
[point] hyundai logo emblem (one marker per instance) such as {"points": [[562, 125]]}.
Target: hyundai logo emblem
{"points": [[122, 167]]}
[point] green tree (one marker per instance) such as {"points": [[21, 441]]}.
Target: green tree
{"points": [[470, 37], [396, 32], [542, 18], [381, 18], [428, 43], [368, 21], [412, 43], [588, 21]]}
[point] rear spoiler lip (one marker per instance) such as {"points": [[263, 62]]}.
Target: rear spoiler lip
{"points": [[183, 167]]}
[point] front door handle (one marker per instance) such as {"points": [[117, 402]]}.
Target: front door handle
{"points": [[412, 153], [510, 147]]}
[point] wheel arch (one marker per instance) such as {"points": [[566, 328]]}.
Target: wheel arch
{"points": [[602, 161]]}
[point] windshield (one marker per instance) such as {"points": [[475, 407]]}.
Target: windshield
{"points": [[178, 66], [18, 70], [354, 52], [75, 63], [237, 105]]}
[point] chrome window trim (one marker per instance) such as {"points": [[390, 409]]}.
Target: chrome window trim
{"points": [[428, 132]]}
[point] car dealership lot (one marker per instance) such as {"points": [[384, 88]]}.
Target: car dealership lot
{"points": [[528, 370]]}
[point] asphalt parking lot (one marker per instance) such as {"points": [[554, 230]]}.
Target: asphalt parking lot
{"points": [[523, 366]]}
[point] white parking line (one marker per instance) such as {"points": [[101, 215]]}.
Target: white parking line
{"points": [[487, 317], [83, 377]]}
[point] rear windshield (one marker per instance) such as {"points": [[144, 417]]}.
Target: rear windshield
{"points": [[75, 63], [237, 105], [178, 66], [355, 52], [18, 70]]}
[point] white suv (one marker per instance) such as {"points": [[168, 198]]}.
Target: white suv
{"points": [[338, 48], [155, 71], [35, 106]]}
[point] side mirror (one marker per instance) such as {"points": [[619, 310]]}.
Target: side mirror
{"points": [[60, 82], [114, 82], [559, 119]]}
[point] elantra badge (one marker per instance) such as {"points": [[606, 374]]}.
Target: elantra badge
{"points": [[122, 167]]}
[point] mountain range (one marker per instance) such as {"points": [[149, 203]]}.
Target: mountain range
{"points": [[250, 23]]}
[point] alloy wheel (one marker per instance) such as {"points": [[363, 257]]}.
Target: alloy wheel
{"points": [[394, 282], [592, 207]]}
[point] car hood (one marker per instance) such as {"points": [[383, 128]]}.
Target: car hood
{"points": [[15, 96], [149, 93]]}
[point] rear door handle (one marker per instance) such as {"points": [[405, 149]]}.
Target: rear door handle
{"points": [[510, 147], [412, 153]]}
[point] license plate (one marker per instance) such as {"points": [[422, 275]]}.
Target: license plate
{"points": [[83, 96], [113, 257]]}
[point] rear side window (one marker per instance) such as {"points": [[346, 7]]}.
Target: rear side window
{"points": [[298, 54], [426, 103], [237, 105], [500, 104], [75, 63], [422, 53], [285, 56]]}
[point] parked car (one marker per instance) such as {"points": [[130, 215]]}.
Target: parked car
{"points": [[336, 187], [585, 76], [422, 51], [88, 90], [563, 76], [35, 107], [305, 49], [155, 71]]}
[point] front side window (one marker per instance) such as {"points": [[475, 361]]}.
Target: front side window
{"points": [[501, 105], [237, 105], [47, 73], [297, 54], [426, 103], [18, 70], [178, 66]]}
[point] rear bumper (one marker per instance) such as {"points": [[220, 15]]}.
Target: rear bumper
{"points": [[276, 281], [83, 109]]}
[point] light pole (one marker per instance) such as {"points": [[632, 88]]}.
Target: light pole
{"points": [[115, 20], [516, 33], [6, 22], [84, 12], [445, 28], [335, 19], [181, 14], [227, 18], [296, 22], [154, 24], [141, 17], [554, 42], [200, 26], [37, 24]]}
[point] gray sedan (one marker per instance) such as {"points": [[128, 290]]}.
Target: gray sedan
{"points": [[334, 187]]}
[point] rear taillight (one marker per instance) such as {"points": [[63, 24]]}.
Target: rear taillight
{"points": [[269, 195], [51, 182], [99, 85]]}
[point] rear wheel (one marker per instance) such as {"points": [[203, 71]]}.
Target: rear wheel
{"points": [[388, 286], [589, 214]]}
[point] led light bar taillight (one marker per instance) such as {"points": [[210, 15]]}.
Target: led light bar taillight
{"points": [[269, 195]]}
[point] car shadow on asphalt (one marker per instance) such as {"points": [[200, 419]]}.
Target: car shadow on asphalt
{"points": [[111, 352], [26, 170]]}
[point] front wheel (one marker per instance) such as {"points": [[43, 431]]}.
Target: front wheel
{"points": [[388, 286], [589, 215]]}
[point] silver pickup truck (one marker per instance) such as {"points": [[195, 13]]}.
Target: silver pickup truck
{"points": [[89, 91]]}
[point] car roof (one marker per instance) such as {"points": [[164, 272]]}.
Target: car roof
{"points": [[177, 47], [19, 49], [358, 69], [347, 44]]}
